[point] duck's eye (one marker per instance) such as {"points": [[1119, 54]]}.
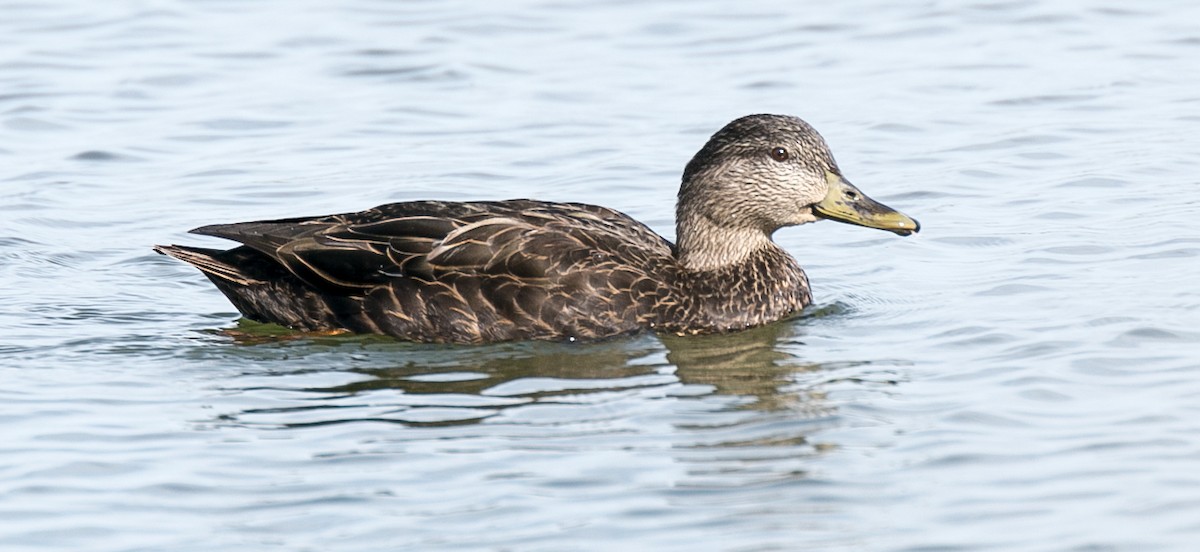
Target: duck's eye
{"points": [[779, 154]]}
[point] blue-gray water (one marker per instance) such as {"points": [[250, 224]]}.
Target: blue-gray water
{"points": [[1022, 375]]}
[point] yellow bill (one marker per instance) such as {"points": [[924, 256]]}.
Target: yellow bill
{"points": [[845, 203]]}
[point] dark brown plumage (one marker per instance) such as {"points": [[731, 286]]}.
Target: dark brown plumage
{"points": [[522, 269]]}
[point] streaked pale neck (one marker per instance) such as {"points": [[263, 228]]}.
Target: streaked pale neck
{"points": [[703, 245]]}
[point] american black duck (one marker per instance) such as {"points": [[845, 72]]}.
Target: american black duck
{"points": [[476, 272]]}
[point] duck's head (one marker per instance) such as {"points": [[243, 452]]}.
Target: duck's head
{"points": [[764, 172]]}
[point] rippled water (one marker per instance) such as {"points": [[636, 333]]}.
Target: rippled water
{"points": [[1021, 375]]}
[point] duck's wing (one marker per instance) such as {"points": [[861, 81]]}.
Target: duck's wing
{"points": [[519, 239], [536, 240]]}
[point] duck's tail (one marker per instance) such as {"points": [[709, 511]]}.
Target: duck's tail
{"points": [[263, 290], [209, 262]]}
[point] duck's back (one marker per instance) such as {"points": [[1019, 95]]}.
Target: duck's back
{"points": [[447, 271]]}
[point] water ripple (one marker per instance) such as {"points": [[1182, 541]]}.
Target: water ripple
{"points": [[1021, 367]]}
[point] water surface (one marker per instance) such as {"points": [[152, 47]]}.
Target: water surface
{"points": [[1022, 375]]}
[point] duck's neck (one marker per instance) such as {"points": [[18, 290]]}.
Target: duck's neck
{"points": [[702, 245], [752, 282]]}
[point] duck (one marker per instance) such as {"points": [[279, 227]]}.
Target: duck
{"points": [[522, 269]]}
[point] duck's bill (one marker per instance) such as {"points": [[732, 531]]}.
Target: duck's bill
{"points": [[845, 203]]}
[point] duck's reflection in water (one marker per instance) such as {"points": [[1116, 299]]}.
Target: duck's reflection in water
{"points": [[758, 365], [755, 371]]}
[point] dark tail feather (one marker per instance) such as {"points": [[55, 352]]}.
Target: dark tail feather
{"points": [[265, 236], [265, 291], [208, 262]]}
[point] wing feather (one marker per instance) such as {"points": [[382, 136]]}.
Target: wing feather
{"points": [[480, 271]]}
